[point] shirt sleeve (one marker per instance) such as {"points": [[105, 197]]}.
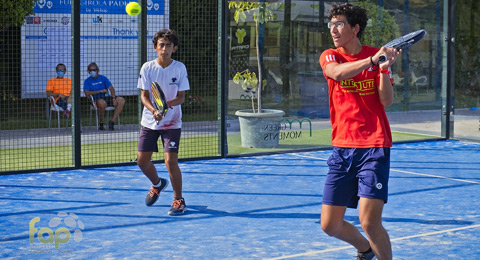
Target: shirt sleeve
{"points": [[106, 82], [143, 81], [49, 85], [184, 83], [327, 57], [69, 87], [86, 85]]}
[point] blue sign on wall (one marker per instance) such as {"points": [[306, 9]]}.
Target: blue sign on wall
{"points": [[154, 7]]}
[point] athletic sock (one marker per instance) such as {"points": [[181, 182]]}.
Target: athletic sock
{"points": [[366, 252], [158, 184], [69, 107]]}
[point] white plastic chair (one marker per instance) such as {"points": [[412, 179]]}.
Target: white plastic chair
{"points": [[421, 81], [55, 108], [93, 107]]}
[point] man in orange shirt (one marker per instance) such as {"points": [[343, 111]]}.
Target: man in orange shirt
{"points": [[60, 88]]}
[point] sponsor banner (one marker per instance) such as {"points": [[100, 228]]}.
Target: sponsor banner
{"points": [[110, 40], [154, 7]]}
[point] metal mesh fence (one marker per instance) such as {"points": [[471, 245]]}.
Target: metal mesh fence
{"points": [[36, 126], [48, 122]]}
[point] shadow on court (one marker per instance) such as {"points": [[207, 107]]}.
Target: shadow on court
{"points": [[265, 207]]}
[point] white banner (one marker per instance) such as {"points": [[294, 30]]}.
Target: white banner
{"points": [[108, 37]]}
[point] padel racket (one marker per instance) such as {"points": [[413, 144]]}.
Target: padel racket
{"points": [[403, 42], [159, 100]]}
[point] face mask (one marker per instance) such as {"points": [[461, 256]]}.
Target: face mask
{"points": [[93, 74], [60, 74]]}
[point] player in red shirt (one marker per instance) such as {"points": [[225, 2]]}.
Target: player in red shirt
{"points": [[359, 89]]}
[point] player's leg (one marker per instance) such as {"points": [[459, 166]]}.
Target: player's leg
{"points": [[147, 144], [340, 192], [373, 192], [171, 162], [69, 104], [370, 214], [333, 224], [171, 142], [62, 102], [148, 168], [101, 105], [118, 108]]}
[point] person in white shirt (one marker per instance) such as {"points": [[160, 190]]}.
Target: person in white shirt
{"points": [[172, 77]]}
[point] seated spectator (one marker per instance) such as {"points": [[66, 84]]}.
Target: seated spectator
{"points": [[102, 90], [60, 88]]}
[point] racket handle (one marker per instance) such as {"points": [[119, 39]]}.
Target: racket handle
{"points": [[382, 58]]}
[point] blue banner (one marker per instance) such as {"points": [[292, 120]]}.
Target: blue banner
{"points": [[154, 7]]}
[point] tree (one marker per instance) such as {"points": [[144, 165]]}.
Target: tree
{"points": [[12, 16], [261, 13], [13, 12]]}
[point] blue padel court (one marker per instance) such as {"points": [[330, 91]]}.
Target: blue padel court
{"points": [[263, 207]]}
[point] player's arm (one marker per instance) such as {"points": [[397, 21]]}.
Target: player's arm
{"points": [[55, 95], [112, 92], [88, 92], [340, 71], [49, 89], [145, 98], [385, 90], [385, 87], [178, 100]]}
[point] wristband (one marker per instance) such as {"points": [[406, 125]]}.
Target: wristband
{"points": [[374, 65], [169, 104], [385, 71]]}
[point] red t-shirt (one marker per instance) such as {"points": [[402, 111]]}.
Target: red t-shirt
{"points": [[358, 118]]}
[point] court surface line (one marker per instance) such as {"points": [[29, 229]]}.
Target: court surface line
{"points": [[435, 176], [312, 253], [401, 171]]}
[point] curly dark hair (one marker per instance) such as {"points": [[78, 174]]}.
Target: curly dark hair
{"points": [[354, 14], [168, 34]]}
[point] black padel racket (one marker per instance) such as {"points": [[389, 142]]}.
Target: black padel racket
{"points": [[160, 102], [403, 42]]}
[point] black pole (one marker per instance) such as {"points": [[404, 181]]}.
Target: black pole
{"points": [[76, 125], [142, 49], [449, 94], [222, 71]]}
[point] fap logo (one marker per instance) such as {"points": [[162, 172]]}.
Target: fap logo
{"points": [[62, 224]]}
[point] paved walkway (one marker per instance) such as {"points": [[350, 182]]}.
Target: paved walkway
{"points": [[466, 126]]}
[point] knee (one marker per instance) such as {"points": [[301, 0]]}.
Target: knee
{"points": [[142, 162], [169, 163], [331, 228], [101, 104], [370, 227], [120, 101]]}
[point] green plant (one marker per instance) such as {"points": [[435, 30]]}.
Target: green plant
{"points": [[261, 13], [13, 13]]}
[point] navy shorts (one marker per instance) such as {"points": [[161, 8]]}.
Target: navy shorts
{"points": [[355, 173], [147, 140], [62, 102], [108, 100]]}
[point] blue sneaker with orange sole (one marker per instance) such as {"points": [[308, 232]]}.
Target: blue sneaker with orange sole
{"points": [[154, 193], [178, 207]]}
